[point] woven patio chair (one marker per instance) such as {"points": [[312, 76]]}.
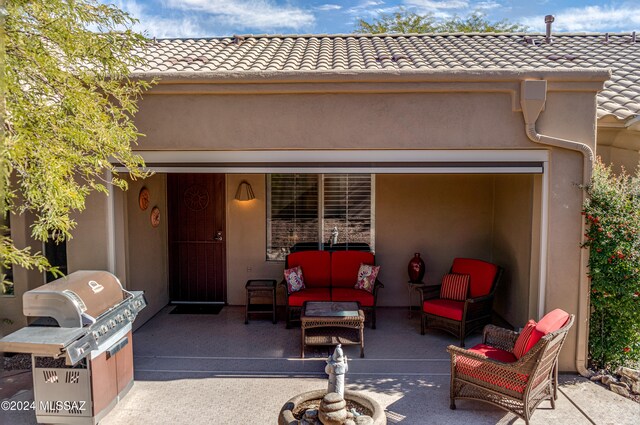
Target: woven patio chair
{"points": [[472, 310], [490, 372]]}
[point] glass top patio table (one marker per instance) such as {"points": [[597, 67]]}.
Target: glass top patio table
{"points": [[331, 309]]}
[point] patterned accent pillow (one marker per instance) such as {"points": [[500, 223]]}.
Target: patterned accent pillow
{"points": [[455, 286], [367, 277], [522, 343], [294, 278]]}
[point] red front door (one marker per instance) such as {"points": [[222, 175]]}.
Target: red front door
{"points": [[197, 254]]}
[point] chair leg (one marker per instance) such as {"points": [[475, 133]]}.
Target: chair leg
{"points": [[422, 318], [452, 405]]}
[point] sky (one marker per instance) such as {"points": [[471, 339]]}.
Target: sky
{"points": [[210, 18]]}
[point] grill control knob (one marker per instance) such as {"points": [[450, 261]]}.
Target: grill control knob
{"points": [[96, 335], [112, 323], [127, 313], [119, 318], [103, 330]]}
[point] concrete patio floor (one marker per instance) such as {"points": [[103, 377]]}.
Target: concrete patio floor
{"points": [[214, 369]]}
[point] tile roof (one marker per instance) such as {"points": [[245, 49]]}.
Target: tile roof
{"points": [[415, 52]]}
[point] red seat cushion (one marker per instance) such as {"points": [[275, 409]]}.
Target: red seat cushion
{"points": [[482, 274], [552, 321], [365, 298], [444, 308], [494, 353], [298, 298], [316, 267], [345, 266], [468, 368]]}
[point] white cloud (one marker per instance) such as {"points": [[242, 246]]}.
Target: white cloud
{"points": [[370, 8], [326, 7], [487, 5], [590, 18], [432, 6], [241, 14], [162, 27]]}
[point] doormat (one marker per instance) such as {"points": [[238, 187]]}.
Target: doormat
{"points": [[197, 309]]}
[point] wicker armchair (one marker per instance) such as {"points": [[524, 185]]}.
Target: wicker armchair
{"points": [[517, 386], [460, 318]]}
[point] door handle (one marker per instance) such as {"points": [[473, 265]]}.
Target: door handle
{"points": [[218, 236]]}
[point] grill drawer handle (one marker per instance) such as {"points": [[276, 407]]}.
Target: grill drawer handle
{"points": [[117, 347]]}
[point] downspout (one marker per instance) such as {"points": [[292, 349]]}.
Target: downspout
{"points": [[533, 94]]}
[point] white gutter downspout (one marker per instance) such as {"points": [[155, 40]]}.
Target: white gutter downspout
{"points": [[533, 94]]}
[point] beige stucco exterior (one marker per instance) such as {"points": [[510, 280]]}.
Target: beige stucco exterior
{"points": [[619, 145], [528, 224]]}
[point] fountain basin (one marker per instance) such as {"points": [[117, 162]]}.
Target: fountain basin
{"points": [[286, 413]]}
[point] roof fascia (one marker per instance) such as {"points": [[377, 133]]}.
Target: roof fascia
{"points": [[594, 75]]}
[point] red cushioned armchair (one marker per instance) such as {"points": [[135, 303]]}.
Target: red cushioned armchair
{"points": [[460, 318], [515, 372], [331, 276]]}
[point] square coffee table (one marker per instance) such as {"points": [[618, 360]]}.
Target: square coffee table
{"points": [[332, 323]]}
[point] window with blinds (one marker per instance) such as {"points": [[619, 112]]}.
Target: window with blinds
{"points": [[326, 211]]}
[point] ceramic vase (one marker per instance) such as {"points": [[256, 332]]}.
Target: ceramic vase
{"points": [[416, 268]]}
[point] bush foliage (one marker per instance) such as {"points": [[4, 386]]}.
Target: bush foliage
{"points": [[612, 214]]}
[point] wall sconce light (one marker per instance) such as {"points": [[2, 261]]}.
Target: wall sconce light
{"points": [[244, 192]]}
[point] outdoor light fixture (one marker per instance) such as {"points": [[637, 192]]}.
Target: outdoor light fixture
{"points": [[244, 192]]}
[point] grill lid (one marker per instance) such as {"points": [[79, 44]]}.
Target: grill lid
{"points": [[76, 299]]}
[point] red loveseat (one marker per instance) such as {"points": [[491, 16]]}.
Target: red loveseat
{"points": [[331, 276]]}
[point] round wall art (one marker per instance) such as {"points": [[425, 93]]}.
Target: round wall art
{"points": [[143, 198], [155, 217]]}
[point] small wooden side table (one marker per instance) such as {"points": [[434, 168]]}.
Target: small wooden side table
{"points": [[260, 288]]}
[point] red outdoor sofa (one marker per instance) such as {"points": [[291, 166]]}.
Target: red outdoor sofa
{"points": [[330, 276]]}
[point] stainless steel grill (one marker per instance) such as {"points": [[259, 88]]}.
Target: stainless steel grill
{"points": [[83, 319]]}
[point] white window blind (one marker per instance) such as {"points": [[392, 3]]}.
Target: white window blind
{"points": [[292, 212], [304, 209], [347, 207]]}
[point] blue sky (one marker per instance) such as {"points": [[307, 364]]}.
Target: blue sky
{"points": [[201, 18]]}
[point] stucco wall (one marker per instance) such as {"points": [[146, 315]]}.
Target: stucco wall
{"points": [[88, 249], [619, 147], [147, 246], [398, 121], [247, 239], [511, 245]]}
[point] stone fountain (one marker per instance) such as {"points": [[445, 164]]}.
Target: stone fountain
{"points": [[329, 407]]}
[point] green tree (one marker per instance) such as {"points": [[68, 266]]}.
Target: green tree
{"points": [[478, 22], [405, 22], [612, 213], [401, 21], [66, 112]]}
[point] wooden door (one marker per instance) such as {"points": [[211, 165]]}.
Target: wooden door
{"points": [[197, 254]]}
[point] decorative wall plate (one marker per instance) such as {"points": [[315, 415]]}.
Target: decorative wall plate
{"points": [[155, 217], [143, 198]]}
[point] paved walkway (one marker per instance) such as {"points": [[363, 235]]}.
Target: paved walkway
{"points": [[213, 369]]}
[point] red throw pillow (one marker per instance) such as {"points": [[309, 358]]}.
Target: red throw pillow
{"points": [[455, 287], [527, 339], [294, 278], [367, 277]]}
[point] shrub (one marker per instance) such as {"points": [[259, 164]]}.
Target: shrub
{"points": [[612, 214]]}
